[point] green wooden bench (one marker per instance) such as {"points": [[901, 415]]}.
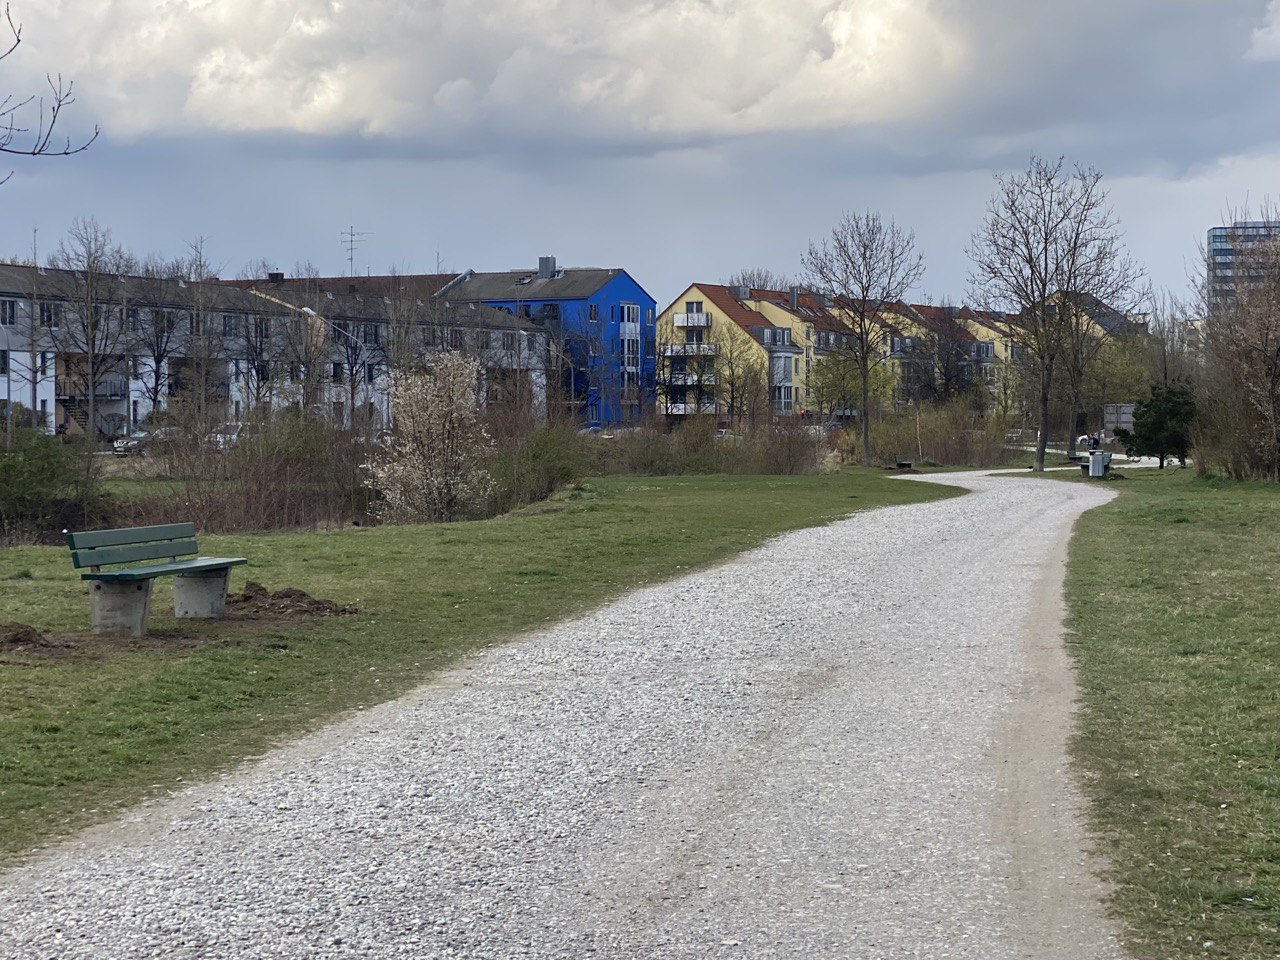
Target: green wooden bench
{"points": [[120, 599]]}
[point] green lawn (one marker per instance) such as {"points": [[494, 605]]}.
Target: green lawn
{"points": [[81, 735], [1174, 602]]}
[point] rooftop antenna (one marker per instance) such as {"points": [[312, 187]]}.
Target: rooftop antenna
{"points": [[352, 238]]}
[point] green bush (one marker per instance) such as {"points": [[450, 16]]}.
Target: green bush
{"points": [[951, 433], [545, 461], [46, 486], [699, 447]]}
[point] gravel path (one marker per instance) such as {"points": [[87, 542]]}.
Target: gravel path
{"points": [[803, 753]]}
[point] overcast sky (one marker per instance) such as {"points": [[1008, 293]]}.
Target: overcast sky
{"points": [[679, 139]]}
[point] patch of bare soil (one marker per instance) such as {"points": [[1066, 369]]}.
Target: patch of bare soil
{"points": [[21, 637], [257, 602], [1054, 870]]}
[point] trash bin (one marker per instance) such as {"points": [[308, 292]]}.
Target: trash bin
{"points": [[1099, 463]]}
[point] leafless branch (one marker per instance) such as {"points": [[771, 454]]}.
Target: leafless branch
{"points": [[27, 140]]}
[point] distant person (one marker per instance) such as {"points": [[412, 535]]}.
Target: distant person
{"points": [[1093, 441]]}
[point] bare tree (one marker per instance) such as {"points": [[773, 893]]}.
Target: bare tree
{"points": [[204, 385], [358, 343], [304, 337], [1242, 356], [1049, 246], [1172, 343], [740, 371], [759, 278], [155, 326], [411, 325], [869, 264], [32, 368], [34, 138], [937, 365], [91, 335]]}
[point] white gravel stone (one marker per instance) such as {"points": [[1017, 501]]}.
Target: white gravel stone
{"points": [[781, 757]]}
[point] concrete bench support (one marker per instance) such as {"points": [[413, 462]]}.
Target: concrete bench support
{"points": [[119, 608], [201, 596]]}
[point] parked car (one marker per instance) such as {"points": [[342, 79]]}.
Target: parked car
{"points": [[225, 437], [147, 443], [130, 443]]}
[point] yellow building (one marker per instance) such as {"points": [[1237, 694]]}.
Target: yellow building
{"points": [[718, 355]]}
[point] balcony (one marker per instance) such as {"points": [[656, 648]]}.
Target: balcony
{"points": [[689, 350], [686, 379], [688, 409], [107, 388], [692, 319]]}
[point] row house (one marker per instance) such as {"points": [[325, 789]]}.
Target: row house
{"points": [[104, 354], [720, 353], [719, 345], [599, 325]]}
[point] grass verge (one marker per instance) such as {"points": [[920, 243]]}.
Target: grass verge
{"points": [[1174, 608], [82, 734]]}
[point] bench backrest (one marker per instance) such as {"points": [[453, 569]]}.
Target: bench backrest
{"points": [[95, 548]]}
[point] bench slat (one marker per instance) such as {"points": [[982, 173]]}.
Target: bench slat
{"points": [[122, 536], [165, 569], [130, 554]]}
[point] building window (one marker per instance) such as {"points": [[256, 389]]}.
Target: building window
{"points": [[43, 367], [370, 372], [4, 362], [509, 340], [370, 335], [629, 313], [50, 315], [457, 338], [593, 313], [337, 373], [8, 313], [693, 306], [483, 340]]}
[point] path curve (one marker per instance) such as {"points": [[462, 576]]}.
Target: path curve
{"points": [[846, 743]]}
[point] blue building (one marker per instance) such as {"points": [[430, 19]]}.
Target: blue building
{"points": [[600, 329]]}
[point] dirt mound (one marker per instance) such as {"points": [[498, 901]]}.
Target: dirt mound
{"points": [[20, 636], [258, 601]]}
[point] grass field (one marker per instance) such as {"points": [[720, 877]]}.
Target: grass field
{"points": [[1174, 603], [83, 733]]}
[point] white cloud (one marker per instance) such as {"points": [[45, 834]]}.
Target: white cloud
{"points": [[453, 68], [1266, 38]]}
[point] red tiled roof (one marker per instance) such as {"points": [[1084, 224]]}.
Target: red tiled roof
{"points": [[732, 307], [943, 321], [809, 308]]}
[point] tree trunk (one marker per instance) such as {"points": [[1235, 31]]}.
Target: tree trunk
{"points": [[1074, 420], [35, 383], [1042, 439], [866, 421]]}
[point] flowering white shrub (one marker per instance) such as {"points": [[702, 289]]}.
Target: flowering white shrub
{"points": [[433, 470]]}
